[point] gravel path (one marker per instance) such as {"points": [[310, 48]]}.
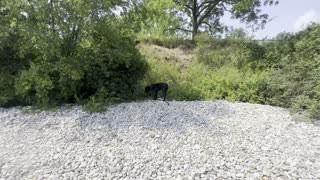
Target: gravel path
{"points": [[151, 140]]}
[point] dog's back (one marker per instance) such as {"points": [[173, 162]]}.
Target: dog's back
{"points": [[159, 86]]}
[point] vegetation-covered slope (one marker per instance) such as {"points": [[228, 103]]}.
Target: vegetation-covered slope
{"points": [[282, 72]]}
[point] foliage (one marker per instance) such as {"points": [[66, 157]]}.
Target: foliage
{"points": [[75, 51], [202, 15], [54, 52], [7, 72], [164, 71], [236, 69], [100, 62], [237, 33], [285, 71], [94, 105], [10, 61], [188, 18], [295, 77], [203, 81], [153, 19], [215, 52], [199, 82], [168, 42]]}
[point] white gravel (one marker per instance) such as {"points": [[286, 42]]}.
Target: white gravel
{"points": [[151, 140]]}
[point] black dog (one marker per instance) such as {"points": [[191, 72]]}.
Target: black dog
{"points": [[157, 87]]}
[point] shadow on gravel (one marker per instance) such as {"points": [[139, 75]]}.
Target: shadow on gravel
{"points": [[149, 115], [157, 115]]}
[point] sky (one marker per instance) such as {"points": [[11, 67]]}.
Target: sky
{"points": [[287, 16]]}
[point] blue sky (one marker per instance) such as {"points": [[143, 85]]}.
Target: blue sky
{"points": [[289, 16]]}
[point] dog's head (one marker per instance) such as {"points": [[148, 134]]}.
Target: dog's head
{"points": [[147, 89]]}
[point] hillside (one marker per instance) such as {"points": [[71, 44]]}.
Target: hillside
{"points": [[181, 56]]}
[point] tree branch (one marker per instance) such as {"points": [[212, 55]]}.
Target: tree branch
{"points": [[208, 11], [205, 2], [181, 29], [189, 7], [206, 23], [204, 8]]}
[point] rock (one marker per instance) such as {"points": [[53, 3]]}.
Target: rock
{"points": [[240, 175], [195, 140], [54, 177], [196, 146], [83, 164], [264, 177]]}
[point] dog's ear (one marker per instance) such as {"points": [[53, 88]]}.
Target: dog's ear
{"points": [[147, 89]]}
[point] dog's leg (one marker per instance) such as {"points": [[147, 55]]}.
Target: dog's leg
{"points": [[164, 93], [155, 95]]}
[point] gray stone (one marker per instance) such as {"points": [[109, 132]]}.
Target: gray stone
{"points": [[195, 140]]}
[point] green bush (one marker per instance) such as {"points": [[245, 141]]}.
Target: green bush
{"points": [[94, 105], [231, 84], [200, 82], [234, 69], [225, 69], [10, 65], [105, 60], [163, 71], [6, 86], [240, 53], [295, 81]]}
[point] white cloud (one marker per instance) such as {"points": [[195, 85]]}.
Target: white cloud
{"points": [[305, 20]]}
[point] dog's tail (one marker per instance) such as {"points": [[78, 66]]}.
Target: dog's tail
{"points": [[169, 81]]}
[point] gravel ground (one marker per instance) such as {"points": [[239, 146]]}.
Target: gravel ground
{"points": [[151, 140]]}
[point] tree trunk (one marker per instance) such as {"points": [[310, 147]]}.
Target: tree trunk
{"points": [[195, 20], [194, 29], [52, 16]]}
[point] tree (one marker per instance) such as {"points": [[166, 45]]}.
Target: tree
{"points": [[10, 62], [78, 51], [237, 33], [205, 15], [151, 18], [294, 76]]}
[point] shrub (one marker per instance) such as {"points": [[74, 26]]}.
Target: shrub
{"points": [[6, 86], [217, 52], [295, 81], [235, 69], [200, 82], [94, 105], [10, 65], [163, 71], [104, 65]]}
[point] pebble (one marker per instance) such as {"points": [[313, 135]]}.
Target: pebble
{"points": [[151, 140]]}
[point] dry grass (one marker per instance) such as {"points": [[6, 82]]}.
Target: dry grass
{"points": [[182, 57]]}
